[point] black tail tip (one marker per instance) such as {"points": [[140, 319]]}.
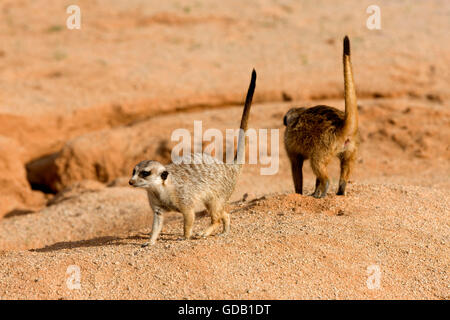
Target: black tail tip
{"points": [[253, 74], [346, 46]]}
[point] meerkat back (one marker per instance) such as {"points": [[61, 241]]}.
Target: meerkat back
{"points": [[204, 177]]}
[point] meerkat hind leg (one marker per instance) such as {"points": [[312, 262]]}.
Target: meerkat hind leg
{"points": [[215, 222], [320, 170], [226, 222], [347, 162], [316, 187]]}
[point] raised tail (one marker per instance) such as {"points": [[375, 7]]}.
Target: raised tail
{"points": [[242, 143], [351, 108]]}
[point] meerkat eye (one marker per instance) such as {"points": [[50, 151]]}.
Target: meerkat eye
{"points": [[134, 172], [146, 173]]}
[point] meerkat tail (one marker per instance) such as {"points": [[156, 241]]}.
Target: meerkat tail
{"points": [[351, 108], [240, 153]]}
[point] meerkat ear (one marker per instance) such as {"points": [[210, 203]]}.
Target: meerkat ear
{"points": [[164, 175], [285, 120]]}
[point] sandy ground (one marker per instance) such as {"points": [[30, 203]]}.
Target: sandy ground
{"points": [[281, 247], [79, 108]]}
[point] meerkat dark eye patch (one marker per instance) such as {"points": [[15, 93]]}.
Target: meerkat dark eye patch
{"points": [[134, 172], [144, 174], [164, 175]]}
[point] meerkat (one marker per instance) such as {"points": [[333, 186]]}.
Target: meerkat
{"points": [[322, 132], [199, 179]]}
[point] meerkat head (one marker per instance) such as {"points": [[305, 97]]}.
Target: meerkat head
{"points": [[148, 174]]}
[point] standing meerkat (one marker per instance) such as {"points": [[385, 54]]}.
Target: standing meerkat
{"points": [[198, 179], [322, 132]]}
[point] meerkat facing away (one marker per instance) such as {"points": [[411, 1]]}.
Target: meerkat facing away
{"points": [[321, 132], [198, 179]]}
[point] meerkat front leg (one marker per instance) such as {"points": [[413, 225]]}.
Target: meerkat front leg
{"points": [[189, 218], [320, 170], [297, 172], [158, 220], [226, 222], [347, 162]]}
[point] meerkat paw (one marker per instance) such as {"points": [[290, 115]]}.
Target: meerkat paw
{"points": [[315, 194], [206, 233], [200, 235], [224, 233], [149, 243], [341, 190], [319, 195], [182, 238]]}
